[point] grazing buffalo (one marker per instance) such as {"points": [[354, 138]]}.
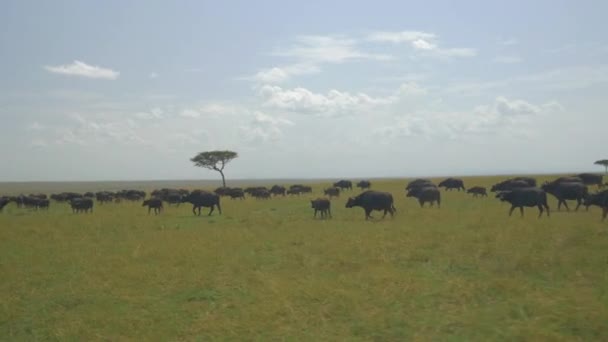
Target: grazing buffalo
{"points": [[420, 182], [298, 189], [323, 205], [332, 192], [478, 191], [278, 190], [3, 202], [425, 194], [82, 204], [591, 179], [373, 200], [569, 179], [201, 198], [566, 191], [222, 191], [364, 184], [452, 183], [131, 195], [525, 197], [344, 184], [89, 194], [236, 193], [104, 197], [260, 193], [514, 183], [153, 203], [599, 199]]}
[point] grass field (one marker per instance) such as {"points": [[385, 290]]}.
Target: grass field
{"points": [[265, 270]]}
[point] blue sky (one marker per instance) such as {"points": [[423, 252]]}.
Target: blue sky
{"points": [[131, 90]]}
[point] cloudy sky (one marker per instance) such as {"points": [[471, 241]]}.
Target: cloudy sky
{"points": [[128, 90]]}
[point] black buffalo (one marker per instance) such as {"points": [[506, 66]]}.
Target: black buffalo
{"points": [[104, 197], [426, 194], [236, 193], [323, 205], [153, 203], [525, 197], [478, 191], [82, 204], [591, 179], [201, 198], [599, 199], [566, 191], [332, 192], [298, 189], [3, 202], [452, 183], [373, 200], [278, 190], [364, 184], [420, 182], [514, 183], [344, 184]]}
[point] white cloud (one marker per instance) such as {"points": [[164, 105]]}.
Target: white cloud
{"points": [[327, 49], [304, 101], [78, 68], [508, 59], [154, 113], [264, 127], [504, 116], [35, 126], [152, 75], [282, 74], [401, 37], [423, 42]]}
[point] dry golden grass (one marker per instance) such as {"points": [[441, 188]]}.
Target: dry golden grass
{"points": [[265, 270]]}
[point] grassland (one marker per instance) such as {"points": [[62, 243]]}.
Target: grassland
{"points": [[265, 270]]}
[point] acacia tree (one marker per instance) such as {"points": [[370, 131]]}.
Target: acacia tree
{"points": [[603, 162], [214, 160]]}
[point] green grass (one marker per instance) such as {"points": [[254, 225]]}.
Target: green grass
{"points": [[265, 270]]}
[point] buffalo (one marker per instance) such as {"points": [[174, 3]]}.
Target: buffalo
{"points": [[426, 194], [344, 184], [478, 191], [452, 183], [525, 197], [332, 192], [566, 191], [599, 199], [364, 184], [514, 183], [82, 204], [277, 190], [3, 202], [418, 183], [373, 200], [323, 205], [153, 203], [236, 193], [104, 197], [298, 189], [201, 198], [591, 179]]}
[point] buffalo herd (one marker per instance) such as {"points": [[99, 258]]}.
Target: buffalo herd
{"points": [[519, 192]]}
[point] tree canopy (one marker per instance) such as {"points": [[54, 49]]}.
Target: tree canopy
{"points": [[602, 162], [214, 160]]}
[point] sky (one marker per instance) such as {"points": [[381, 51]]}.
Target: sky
{"points": [[131, 90]]}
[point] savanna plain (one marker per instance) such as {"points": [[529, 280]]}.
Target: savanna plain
{"points": [[266, 270]]}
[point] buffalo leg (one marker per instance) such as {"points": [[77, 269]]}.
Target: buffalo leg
{"points": [[315, 214], [547, 209], [604, 213], [329, 212], [368, 214], [511, 210], [421, 203], [210, 211], [578, 204], [565, 204], [521, 210], [540, 210]]}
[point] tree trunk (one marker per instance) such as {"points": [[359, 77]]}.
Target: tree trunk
{"points": [[223, 178]]}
